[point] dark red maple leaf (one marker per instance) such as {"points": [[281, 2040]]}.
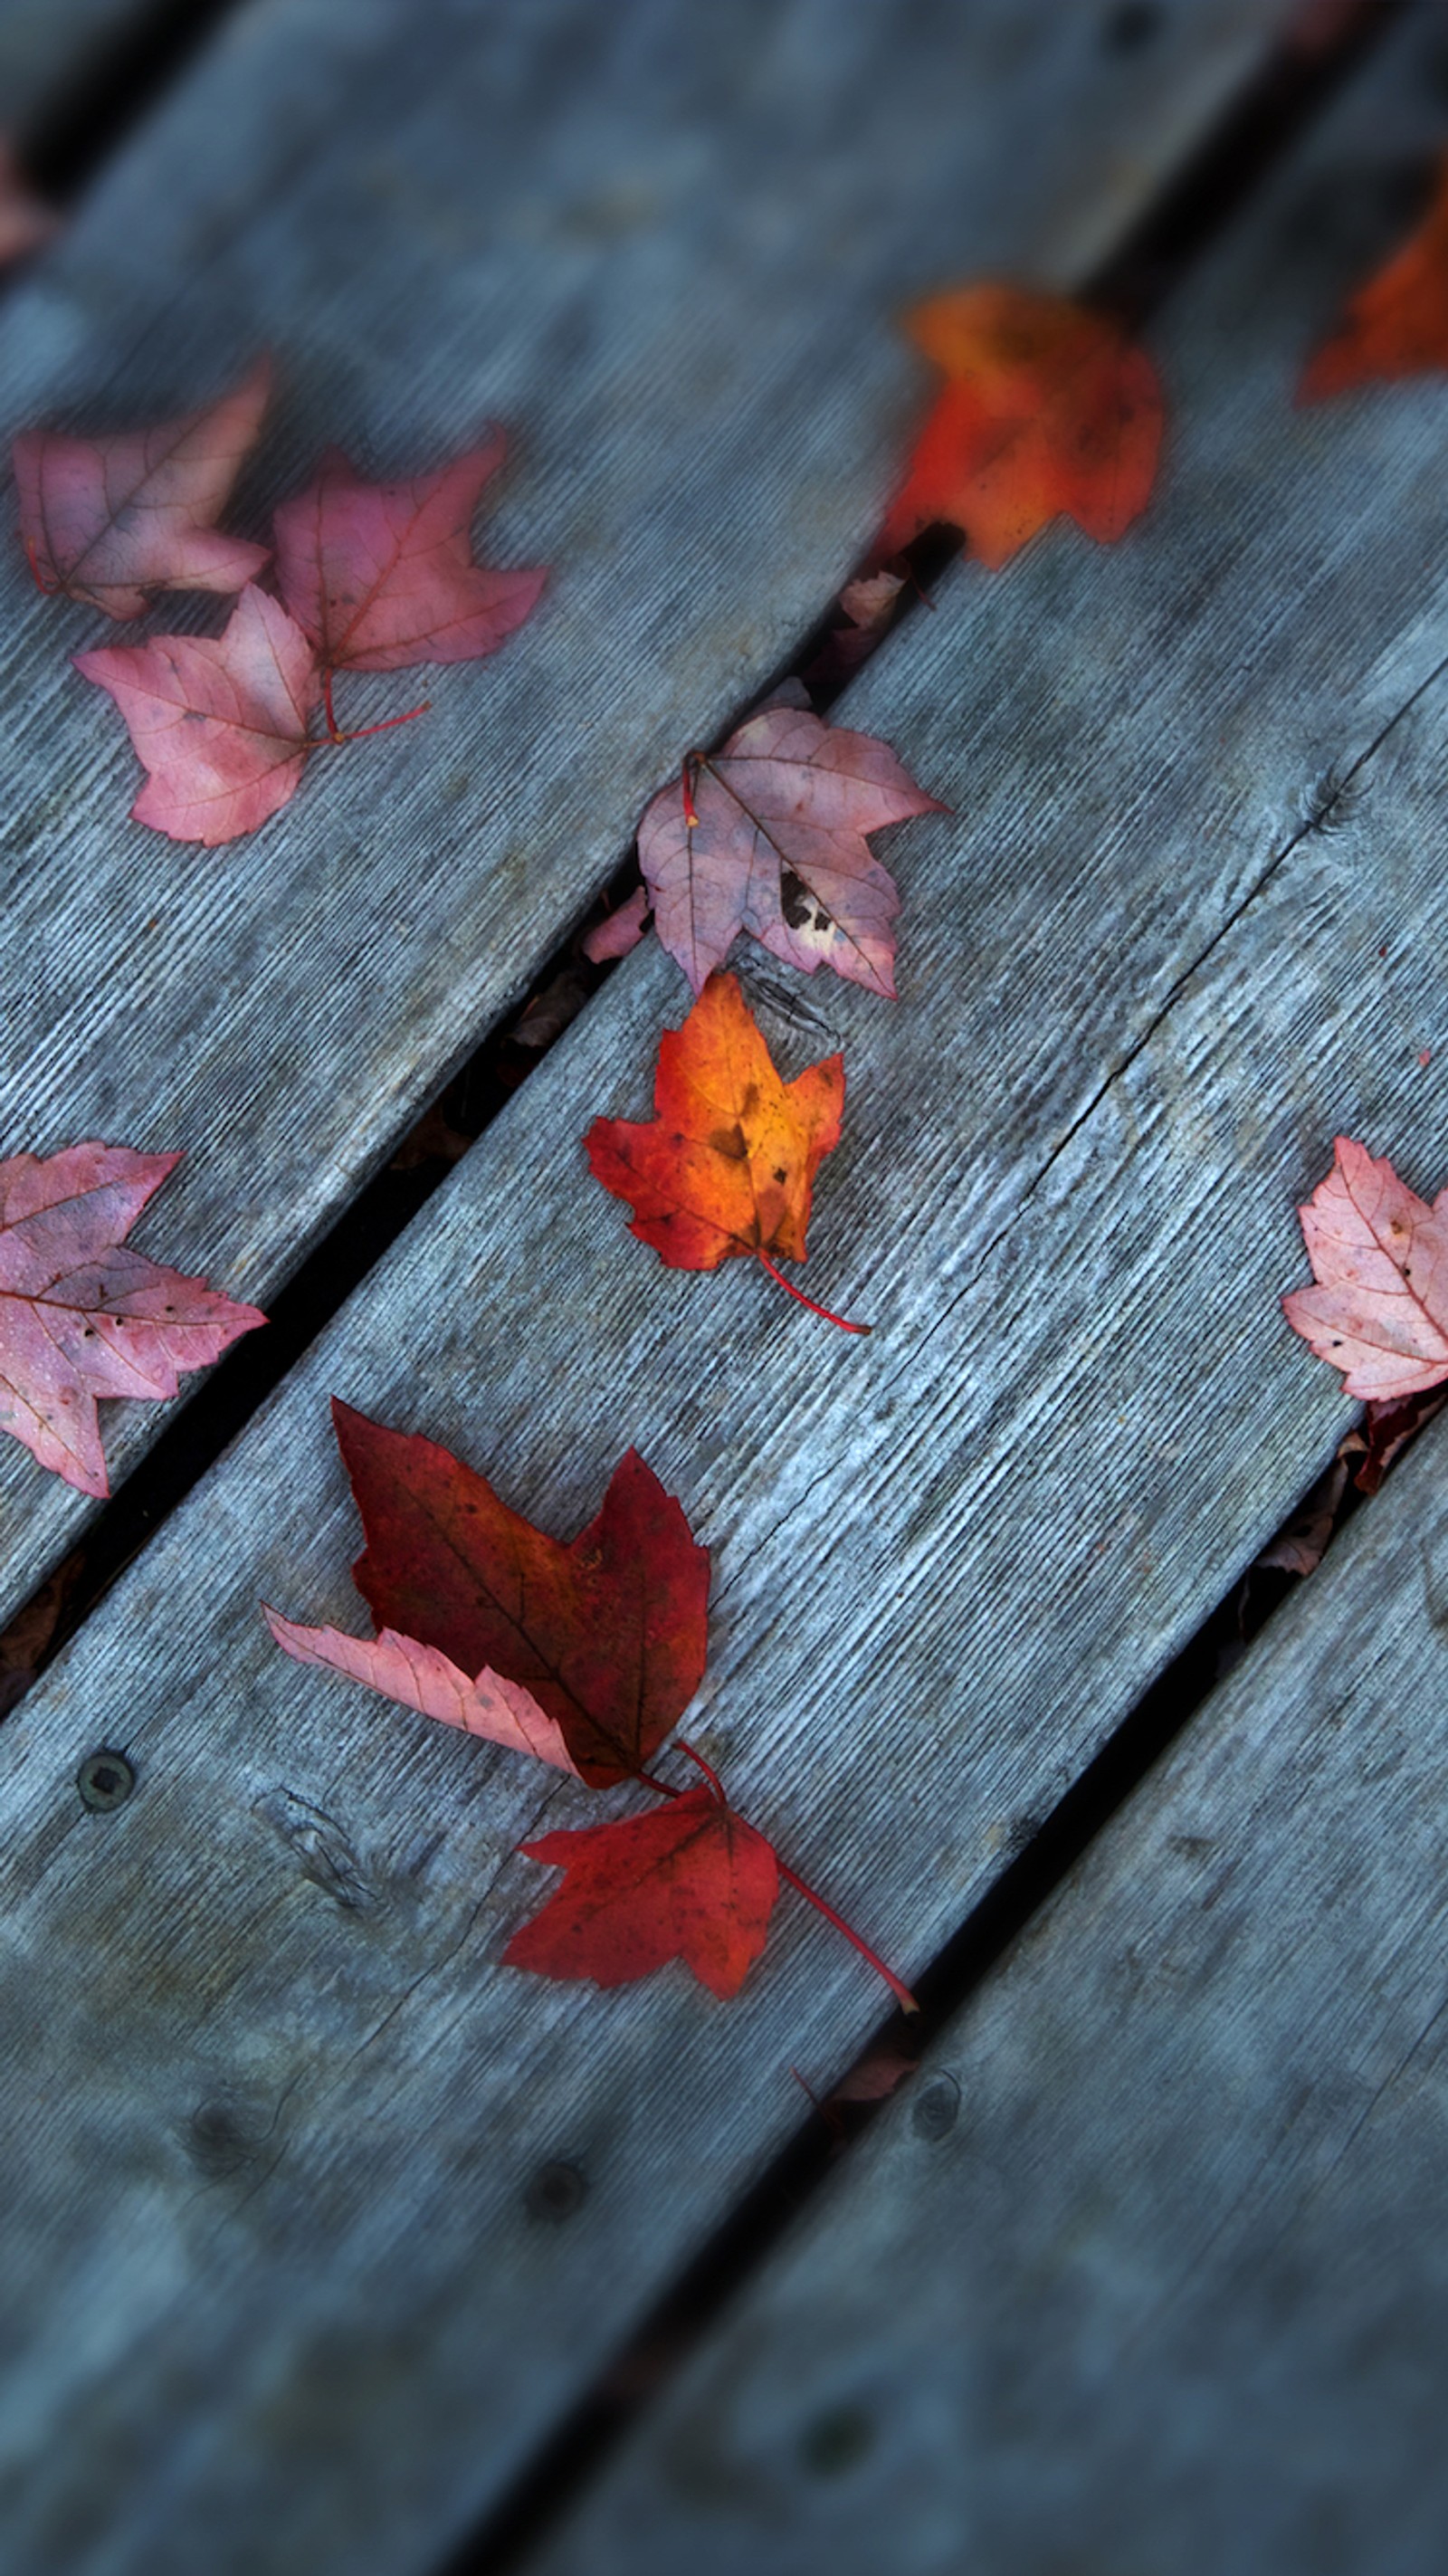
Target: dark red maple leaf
{"points": [[607, 1634]]}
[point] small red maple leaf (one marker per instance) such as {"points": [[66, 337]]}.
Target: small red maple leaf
{"points": [[221, 723], [111, 520], [381, 575], [769, 836], [82, 1315], [691, 1881]]}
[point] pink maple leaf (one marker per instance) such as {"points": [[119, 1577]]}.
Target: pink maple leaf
{"points": [[1379, 1254], [110, 520], [81, 1314], [424, 1678], [381, 575], [222, 723], [768, 836]]}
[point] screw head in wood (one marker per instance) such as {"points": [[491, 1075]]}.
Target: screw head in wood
{"points": [[105, 1780], [555, 2192]]}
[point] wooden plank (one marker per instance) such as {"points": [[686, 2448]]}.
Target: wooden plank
{"points": [[1139, 996], [664, 245], [1146, 2269]]}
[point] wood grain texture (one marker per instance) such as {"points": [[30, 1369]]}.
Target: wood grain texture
{"points": [[663, 245], [1139, 995], [1146, 2268]]}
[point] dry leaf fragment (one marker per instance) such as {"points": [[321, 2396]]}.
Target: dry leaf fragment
{"points": [[112, 520], [622, 931], [420, 1677], [769, 836], [82, 1314], [1048, 408], [221, 723], [381, 575], [727, 1164], [1387, 1430], [1397, 324], [691, 1881], [1379, 1255]]}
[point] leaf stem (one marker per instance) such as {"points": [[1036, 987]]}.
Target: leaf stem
{"points": [[811, 1895], [47, 589], [712, 1776], [898, 1989], [798, 1294], [691, 761], [334, 730]]}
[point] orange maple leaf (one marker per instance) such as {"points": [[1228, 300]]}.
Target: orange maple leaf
{"points": [[728, 1164], [1048, 409], [1397, 324]]}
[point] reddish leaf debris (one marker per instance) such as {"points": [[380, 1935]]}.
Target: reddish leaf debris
{"points": [[381, 575], [1397, 324], [221, 723], [1379, 1255]]}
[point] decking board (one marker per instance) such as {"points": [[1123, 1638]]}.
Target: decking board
{"points": [[1138, 994], [664, 246], [1146, 2268]]}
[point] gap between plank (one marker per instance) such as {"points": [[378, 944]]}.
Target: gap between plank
{"points": [[116, 82]]}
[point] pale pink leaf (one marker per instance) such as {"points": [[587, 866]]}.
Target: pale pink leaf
{"points": [[220, 722], [25, 220], [111, 520], [81, 1314], [1379, 1254], [871, 602], [777, 846], [381, 575], [422, 1677], [622, 931]]}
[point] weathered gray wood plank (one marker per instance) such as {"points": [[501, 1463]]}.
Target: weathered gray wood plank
{"points": [[1147, 2269], [1138, 999], [663, 244]]}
